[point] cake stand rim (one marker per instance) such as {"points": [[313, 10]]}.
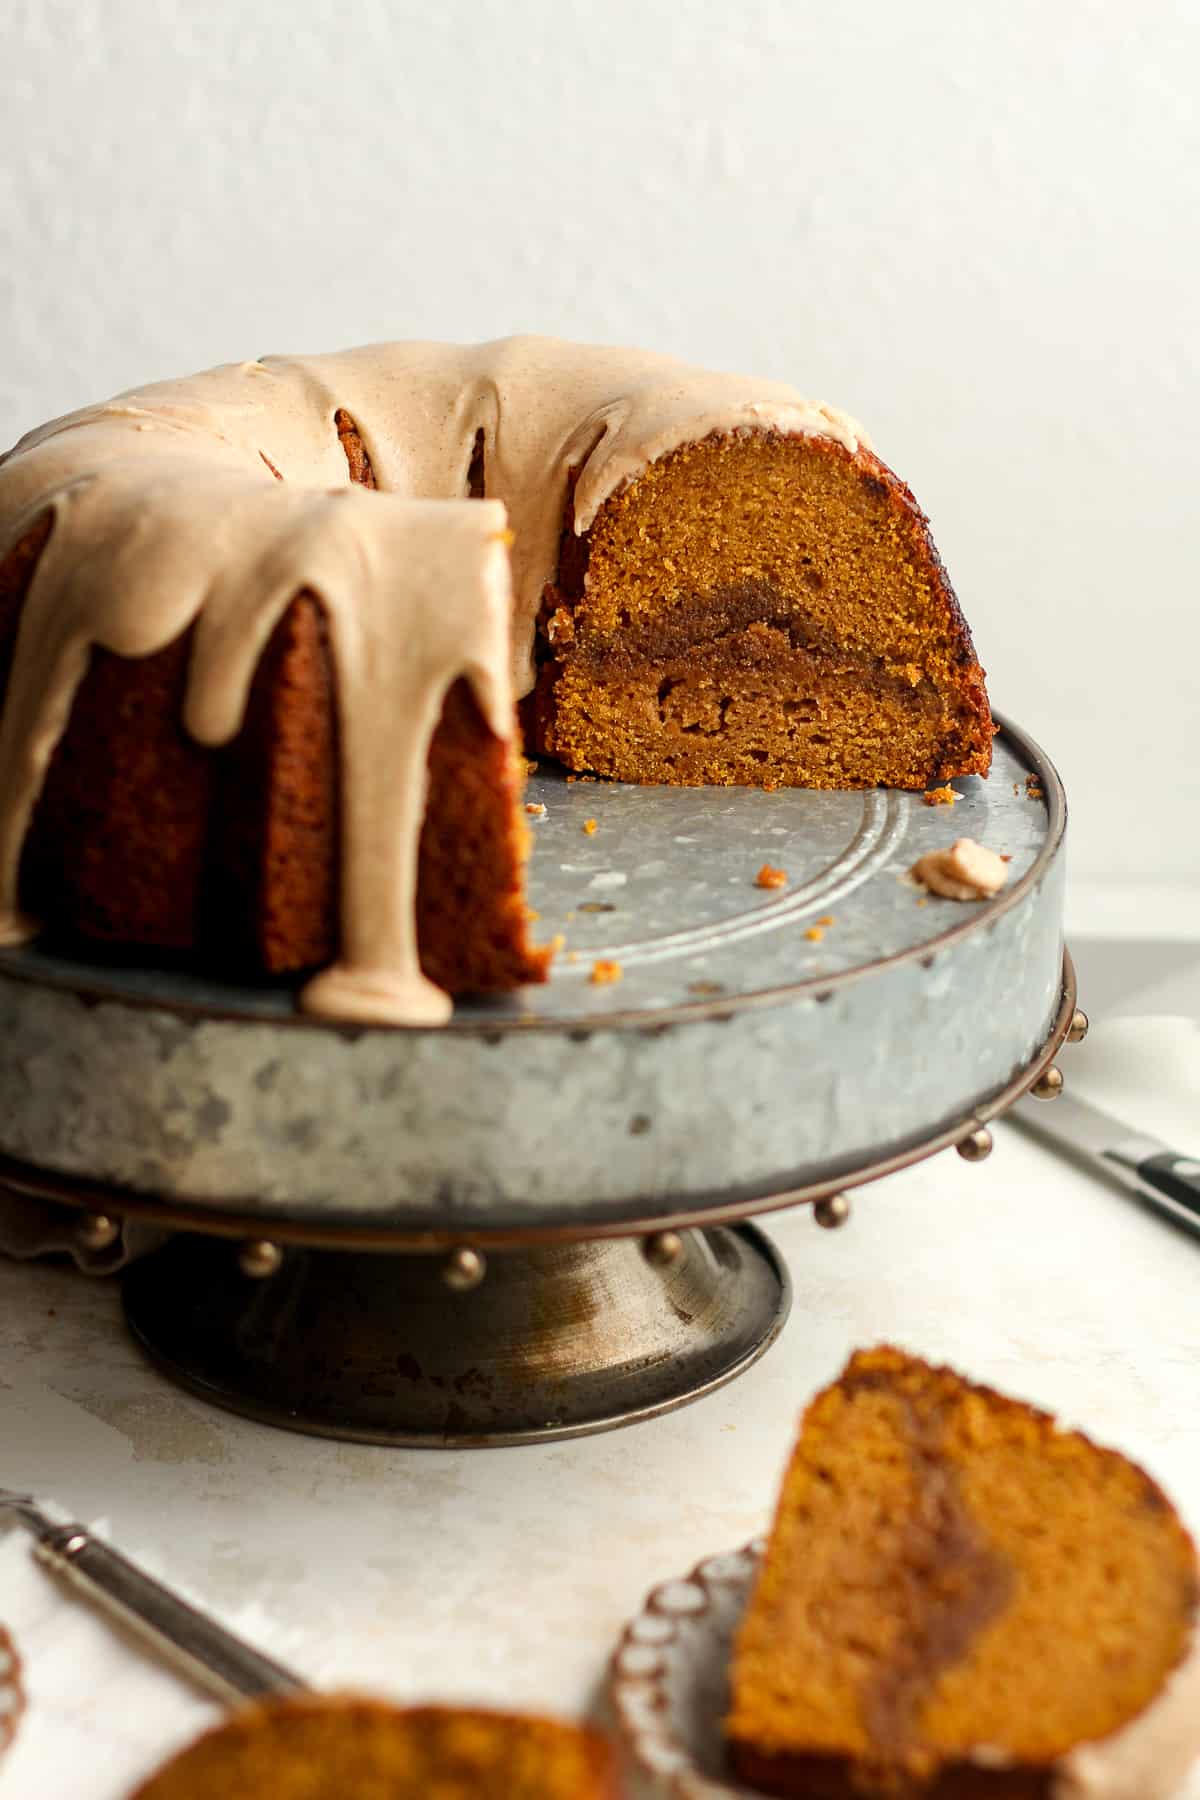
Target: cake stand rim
{"points": [[818, 987], [237, 1221]]}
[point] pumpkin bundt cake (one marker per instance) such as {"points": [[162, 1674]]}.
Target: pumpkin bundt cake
{"points": [[261, 636], [959, 1600], [348, 1748]]}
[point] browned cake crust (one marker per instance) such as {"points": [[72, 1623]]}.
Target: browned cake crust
{"points": [[346, 1748], [955, 1595], [764, 610], [142, 837]]}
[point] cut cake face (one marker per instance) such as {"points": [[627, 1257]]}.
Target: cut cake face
{"points": [[757, 610]]}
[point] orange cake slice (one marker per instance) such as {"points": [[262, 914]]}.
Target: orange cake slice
{"points": [[960, 1599], [349, 1748]]}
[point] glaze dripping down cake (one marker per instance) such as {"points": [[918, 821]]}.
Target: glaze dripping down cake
{"points": [[961, 1601], [348, 1748], [262, 632]]}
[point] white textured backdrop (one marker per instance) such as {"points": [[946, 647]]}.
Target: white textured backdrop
{"points": [[974, 226]]}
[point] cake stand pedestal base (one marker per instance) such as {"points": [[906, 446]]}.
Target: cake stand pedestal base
{"points": [[556, 1342]]}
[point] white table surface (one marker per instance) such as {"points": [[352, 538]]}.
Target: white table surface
{"points": [[504, 1575]]}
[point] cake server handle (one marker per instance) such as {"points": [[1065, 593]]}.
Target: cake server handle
{"points": [[195, 1643]]}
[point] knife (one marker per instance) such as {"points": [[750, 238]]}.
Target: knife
{"points": [[1165, 1179], [206, 1651]]}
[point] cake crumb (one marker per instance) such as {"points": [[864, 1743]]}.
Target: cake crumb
{"points": [[589, 827], [826, 919], [535, 809], [941, 796], [966, 871], [814, 934], [604, 970], [560, 627], [531, 913], [531, 764], [1033, 788], [768, 877], [556, 943]]}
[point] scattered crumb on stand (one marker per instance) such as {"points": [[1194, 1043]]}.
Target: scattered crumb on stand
{"points": [[941, 796], [605, 970], [769, 877], [966, 871]]}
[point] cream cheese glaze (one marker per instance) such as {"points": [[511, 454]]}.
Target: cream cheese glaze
{"points": [[168, 512]]}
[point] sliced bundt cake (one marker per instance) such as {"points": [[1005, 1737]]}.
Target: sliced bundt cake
{"points": [[260, 644]]}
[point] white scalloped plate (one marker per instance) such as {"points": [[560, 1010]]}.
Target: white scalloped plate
{"points": [[669, 1677], [12, 1695]]}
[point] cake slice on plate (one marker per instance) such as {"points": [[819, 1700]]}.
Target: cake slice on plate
{"points": [[960, 1599]]}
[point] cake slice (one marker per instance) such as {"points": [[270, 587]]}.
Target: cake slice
{"points": [[764, 609], [349, 1748], [960, 1599]]}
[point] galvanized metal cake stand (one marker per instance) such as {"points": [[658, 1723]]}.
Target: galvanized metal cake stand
{"points": [[531, 1224]]}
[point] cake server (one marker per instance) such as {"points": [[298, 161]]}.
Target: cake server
{"points": [[1166, 1180], [192, 1641]]}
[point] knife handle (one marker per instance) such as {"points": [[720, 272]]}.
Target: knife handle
{"points": [[1170, 1181], [213, 1656]]}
